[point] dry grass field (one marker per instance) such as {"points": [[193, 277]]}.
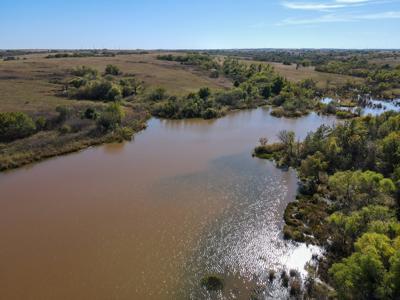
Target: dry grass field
{"points": [[25, 83], [323, 80]]}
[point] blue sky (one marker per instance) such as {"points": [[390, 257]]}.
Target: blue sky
{"points": [[178, 24]]}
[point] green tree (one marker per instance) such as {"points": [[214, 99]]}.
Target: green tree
{"points": [[15, 125], [111, 118], [355, 189], [204, 93], [362, 275], [390, 152]]}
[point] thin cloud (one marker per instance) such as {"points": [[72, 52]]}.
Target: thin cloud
{"points": [[325, 6], [352, 1], [312, 6], [334, 18]]}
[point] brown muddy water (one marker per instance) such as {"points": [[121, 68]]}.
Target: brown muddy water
{"points": [[148, 219]]}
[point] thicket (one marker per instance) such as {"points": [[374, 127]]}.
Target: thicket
{"points": [[89, 85], [349, 201]]}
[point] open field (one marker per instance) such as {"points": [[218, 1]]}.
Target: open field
{"points": [[25, 83]]}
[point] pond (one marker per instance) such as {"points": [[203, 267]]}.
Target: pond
{"points": [[149, 218]]}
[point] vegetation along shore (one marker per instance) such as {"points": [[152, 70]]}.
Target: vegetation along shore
{"points": [[83, 98]]}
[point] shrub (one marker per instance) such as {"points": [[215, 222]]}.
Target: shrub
{"points": [[83, 71], [157, 94], [204, 93], [111, 118], [210, 113], [90, 113], [230, 98], [77, 82], [278, 112], [65, 129], [63, 114], [41, 123], [15, 125], [99, 90], [125, 133], [112, 70]]}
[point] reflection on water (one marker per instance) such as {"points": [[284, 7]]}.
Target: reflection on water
{"points": [[369, 106], [147, 219]]}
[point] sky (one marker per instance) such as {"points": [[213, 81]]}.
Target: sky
{"points": [[202, 24]]}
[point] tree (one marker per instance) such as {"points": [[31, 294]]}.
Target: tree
{"points": [[15, 125], [204, 93], [313, 165], [287, 138], [356, 189], [362, 275], [390, 152], [111, 118]]}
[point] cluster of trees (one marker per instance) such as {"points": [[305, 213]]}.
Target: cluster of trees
{"points": [[202, 104], [204, 61], [89, 85], [306, 57], [15, 125], [254, 85], [349, 201], [19, 125], [82, 54], [353, 66], [379, 78], [262, 82]]}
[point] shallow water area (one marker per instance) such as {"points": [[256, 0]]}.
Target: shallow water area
{"points": [[370, 106]]}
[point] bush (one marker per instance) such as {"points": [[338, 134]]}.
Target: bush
{"points": [[15, 125], [230, 98], [65, 129], [125, 133], [63, 114], [210, 113], [204, 93], [41, 123], [157, 94], [99, 90], [90, 113], [278, 112], [112, 70], [83, 71], [111, 118]]}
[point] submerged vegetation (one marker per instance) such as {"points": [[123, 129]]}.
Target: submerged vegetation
{"points": [[212, 283], [349, 201]]}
